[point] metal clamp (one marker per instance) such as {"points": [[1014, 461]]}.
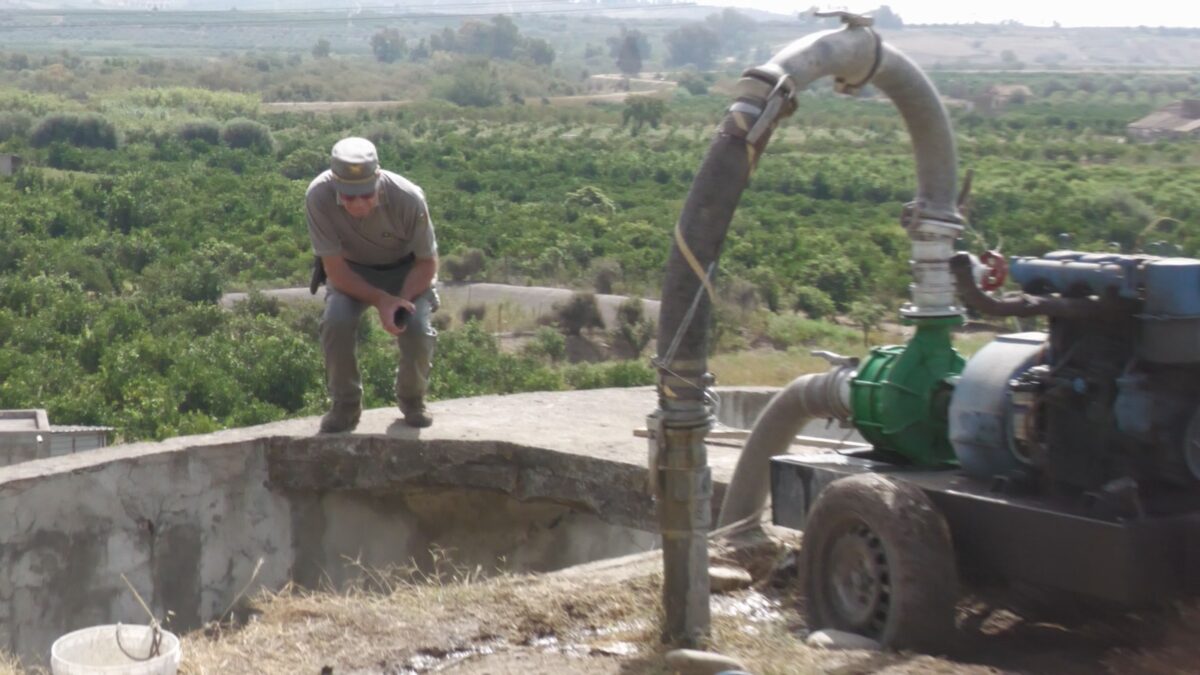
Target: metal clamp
{"points": [[784, 92], [849, 18]]}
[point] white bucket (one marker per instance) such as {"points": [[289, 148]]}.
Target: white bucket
{"points": [[95, 651]]}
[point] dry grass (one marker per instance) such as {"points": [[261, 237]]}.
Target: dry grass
{"points": [[764, 367], [598, 619], [11, 665], [605, 618], [414, 621], [771, 367], [587, 622], [499, 317], [573, 623]]}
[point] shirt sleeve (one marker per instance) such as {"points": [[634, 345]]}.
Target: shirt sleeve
{"points": [[325, 241], [424, 242]]}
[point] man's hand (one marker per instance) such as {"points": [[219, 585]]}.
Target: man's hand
{"points": [[387, 306]]}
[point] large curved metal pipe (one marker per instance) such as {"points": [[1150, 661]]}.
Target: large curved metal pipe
{"points": [[850, 59], [853, 56], [808, 397]]}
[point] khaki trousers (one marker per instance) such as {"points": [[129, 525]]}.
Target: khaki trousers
{"points": [[339, 331]]}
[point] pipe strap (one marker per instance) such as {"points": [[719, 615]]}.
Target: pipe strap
{"points": [[844, 87], [692, 262]]}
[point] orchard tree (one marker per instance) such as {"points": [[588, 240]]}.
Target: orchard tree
{"points": [[640, 110], [629, 50], [694, 44], [388, 46], [539, 51], [730, 25], [886, 18]]}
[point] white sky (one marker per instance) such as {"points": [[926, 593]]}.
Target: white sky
{"points": [[1175, 13]]}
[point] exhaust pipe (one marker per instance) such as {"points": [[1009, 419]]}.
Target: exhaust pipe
{"points": [[853, 56]]}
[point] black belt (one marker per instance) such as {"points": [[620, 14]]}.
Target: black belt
{"points": [[318, 273], [406, 260]]}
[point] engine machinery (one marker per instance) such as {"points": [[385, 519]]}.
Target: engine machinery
{"points": [[1066, 456], [1109, 399]]}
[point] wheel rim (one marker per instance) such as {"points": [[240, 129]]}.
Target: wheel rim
{"points": [[858, 583]]}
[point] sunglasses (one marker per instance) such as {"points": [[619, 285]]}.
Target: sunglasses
{"points": [[349, 198]]}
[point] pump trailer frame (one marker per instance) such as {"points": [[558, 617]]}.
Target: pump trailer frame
{"points": [[1109, 547]]}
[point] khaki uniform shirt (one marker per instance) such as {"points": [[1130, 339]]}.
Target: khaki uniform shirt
{"points": [[397, 226]]}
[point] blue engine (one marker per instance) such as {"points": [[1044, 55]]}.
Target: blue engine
{"points": [[1105, 398]]}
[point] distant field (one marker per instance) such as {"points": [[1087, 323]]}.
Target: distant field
{"points": [[579, 39]]}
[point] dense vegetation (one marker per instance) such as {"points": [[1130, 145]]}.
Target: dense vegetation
{"points": [[142, 201]]}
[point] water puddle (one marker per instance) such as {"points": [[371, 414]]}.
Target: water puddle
{"points": [[751, 606]]}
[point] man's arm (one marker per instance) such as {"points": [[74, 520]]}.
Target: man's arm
{"points": [[419, 278], [347, 281]]}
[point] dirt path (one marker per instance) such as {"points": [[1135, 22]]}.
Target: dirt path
{"points": [[531, 302], [639, 86]]}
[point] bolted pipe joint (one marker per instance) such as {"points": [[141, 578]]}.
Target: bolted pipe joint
{"points": [[933, 290]]}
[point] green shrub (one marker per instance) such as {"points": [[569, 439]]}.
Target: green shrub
{"points": [[602, 375], [473, 313], [605, 272], [578, 313], [14, 124], [256, 303], [791, 330], [190, 281], [693, 83], [470, 363], [304, 163], [206, 131], [547, 343], [463, 266], [88, 130], [813, 302], [633, 330], [472, 86], [248, 134], [628, 374]]}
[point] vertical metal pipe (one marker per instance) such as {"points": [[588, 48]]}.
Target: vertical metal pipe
{"points": [[685, 513], [683, 479]]}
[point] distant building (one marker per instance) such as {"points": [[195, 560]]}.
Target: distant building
{"points": [[1180, 119], [28, 434], [9, 164]]}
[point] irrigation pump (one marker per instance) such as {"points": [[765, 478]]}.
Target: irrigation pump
{"points": [[1065, 459]]}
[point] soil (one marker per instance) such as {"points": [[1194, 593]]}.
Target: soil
{"points": [[603, 618]]}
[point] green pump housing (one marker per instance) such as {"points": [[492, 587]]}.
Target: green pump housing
{"points": [[900, 396]]}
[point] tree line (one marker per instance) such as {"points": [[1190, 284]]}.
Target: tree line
{"points": [[139, 208]]}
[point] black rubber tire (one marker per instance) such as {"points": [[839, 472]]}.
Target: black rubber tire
{"points": [[877, 560]]}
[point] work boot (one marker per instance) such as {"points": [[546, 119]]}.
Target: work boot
{"points": [[341, 417], [415, 414]]}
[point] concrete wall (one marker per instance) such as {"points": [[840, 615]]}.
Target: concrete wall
{"points": [[182, 526], [443, 530], [186, 522]]}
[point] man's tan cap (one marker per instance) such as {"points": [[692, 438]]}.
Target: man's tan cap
{"points": [[355, 166]]}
